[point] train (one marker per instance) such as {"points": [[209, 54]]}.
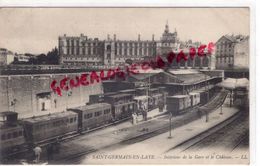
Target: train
{"points": [[101, 109], [179, 104], [241, 98]]}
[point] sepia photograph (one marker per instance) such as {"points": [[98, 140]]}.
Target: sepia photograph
{"points": [[125, 85]]}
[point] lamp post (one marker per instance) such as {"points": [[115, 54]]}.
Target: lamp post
{"points": [[170, 125], [207, 116], [221, 110], [207, 91], [231, 98]]}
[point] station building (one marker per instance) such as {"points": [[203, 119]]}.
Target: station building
{"points": [[176, 81]]}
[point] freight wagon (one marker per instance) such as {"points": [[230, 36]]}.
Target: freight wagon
{"points": [[195, 98], [178, 104]]}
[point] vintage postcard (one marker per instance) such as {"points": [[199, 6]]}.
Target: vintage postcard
{"points": [[125, 85]]}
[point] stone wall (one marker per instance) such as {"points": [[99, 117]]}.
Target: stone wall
{"points": [[26, 94]]}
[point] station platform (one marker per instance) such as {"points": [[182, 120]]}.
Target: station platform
{"points": [[161, 146]]}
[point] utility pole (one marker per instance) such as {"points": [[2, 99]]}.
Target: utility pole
{"points": [[231, 96]]}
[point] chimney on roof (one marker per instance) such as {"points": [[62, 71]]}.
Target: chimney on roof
{"points": [[108, 37], [139, 37], [153, 37]]}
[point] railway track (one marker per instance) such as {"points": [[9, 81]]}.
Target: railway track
{"points": [[228, 135]]}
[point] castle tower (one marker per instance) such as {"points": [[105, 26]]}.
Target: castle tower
{"points": [[166, 27]]}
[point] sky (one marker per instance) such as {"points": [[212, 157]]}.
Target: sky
{"points": [[36, 30]]}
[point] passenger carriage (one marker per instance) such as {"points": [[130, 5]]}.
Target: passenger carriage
{"points": [[12, 133], [48, 127], [97, 98], [241, 97], [123, 105], [92, 116]]}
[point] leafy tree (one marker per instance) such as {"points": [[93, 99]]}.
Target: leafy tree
{"points": [[53, 56]]}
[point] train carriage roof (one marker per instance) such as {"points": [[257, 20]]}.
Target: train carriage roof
{"points": [[158, 94], [49, 117], [153, 89], [123, 104], [127, 90], [5, 127], [120, 95], [140, 97], [142, 88], [92, 106], [194, 93], [6, 113], [178, 96]]}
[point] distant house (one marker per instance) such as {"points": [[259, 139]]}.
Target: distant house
{"points": [[241, 54], [232, 51], [22, 58], [6, 56]]}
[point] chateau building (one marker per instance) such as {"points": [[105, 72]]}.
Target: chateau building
{"points": [[86, 51]]}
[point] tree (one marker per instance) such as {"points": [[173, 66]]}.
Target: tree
{"points": [[53, 57]]}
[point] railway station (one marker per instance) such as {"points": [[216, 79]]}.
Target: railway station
{"points": [[138, 100], [149, 101]]}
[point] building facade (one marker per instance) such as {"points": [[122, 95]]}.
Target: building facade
{"points": [[6, 56], [113, 52], [86, 51], [241, 54], [229, 50], [168, 42]]}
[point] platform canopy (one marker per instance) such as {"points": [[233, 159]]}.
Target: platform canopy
{"points": [[233, 83]]}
